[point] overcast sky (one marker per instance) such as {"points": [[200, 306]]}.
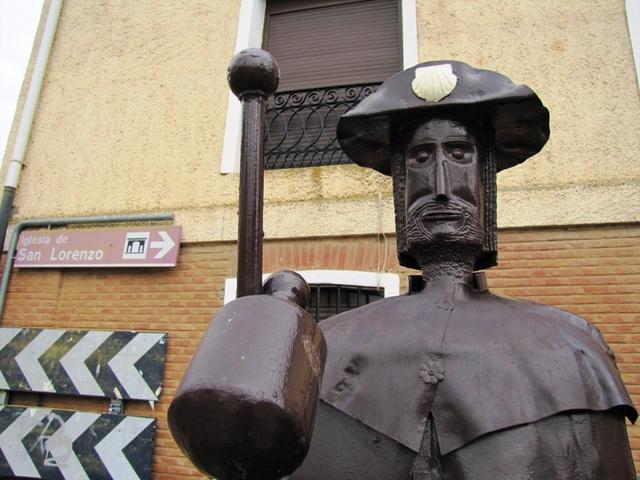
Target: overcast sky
{"points": [[18, 24]]}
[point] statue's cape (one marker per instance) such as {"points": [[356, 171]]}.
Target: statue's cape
{"points": [[476, 361]]}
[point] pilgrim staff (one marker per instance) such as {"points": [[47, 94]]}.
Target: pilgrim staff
{"points": [[245, 407], [253, 76]]}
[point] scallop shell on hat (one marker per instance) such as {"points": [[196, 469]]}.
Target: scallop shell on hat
{"points": [[435, 82]]}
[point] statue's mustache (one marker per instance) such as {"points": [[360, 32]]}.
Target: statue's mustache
{"points": [[423, 214], [423, 207], [430, 209]]}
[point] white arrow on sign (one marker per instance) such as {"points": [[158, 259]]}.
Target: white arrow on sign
{"points": [[28, 362], [110, 447], [123, 365], [6, 335], [73, 363], [165, 245], [11, 442], [60, 444]]}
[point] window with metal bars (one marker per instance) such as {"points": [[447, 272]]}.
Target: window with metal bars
{"points": [[331, 54], [328, 300]]}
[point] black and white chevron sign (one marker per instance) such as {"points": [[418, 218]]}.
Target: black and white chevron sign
{"points": [[114, 364], [60, 444]]}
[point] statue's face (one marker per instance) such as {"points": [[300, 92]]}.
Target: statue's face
{"points": [[444, 191]]}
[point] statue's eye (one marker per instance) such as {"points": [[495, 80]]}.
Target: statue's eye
{"points": [[457, 153], [422, 156]]}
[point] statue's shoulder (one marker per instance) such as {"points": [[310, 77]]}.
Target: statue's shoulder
{"points": [[424, 319], [474, 312], [550, 317]]}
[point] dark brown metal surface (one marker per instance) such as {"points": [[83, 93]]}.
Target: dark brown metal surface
{"points": [[571, 446], [253, 76], [344, 448], [535, 451], [245, 407], [250, 230], [504, 362]]}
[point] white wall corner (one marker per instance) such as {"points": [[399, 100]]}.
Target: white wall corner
{"points": [[633, 19], [409, 33], [250, 28], [232, 137]]}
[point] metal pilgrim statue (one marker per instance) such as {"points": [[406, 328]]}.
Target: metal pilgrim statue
{"points": [[453, 382]]}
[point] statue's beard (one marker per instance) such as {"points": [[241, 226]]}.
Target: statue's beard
{"points": [[449, 226]]}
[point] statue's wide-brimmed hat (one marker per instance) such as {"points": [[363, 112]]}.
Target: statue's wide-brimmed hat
{"points": [[443, 89]]}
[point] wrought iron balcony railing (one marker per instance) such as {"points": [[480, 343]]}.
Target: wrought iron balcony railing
{"points": [[301, 125]]}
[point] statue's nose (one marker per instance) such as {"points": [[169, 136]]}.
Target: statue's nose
{"points": [[442, 189]]}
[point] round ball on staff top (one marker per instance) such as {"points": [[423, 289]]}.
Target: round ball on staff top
{"points": [[253, 71]]}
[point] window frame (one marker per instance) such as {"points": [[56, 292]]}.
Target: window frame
{"points": [[250, 34], [632, 8], [389, 282]]}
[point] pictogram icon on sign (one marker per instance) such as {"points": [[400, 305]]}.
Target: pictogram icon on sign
{"points": [[135, 245]]}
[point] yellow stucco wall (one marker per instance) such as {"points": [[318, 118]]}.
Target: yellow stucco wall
{"points": [[132, 115], [577, 56]]}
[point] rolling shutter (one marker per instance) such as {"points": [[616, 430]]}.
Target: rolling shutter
{"points": [[332, 43]]}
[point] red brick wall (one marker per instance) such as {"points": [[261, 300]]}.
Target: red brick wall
{"points": [[179, 301], [594, 272]]}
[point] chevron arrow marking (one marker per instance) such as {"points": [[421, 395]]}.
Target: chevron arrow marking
{"points": [[110, 447], [31, 361], [165, 245], [12, 446], [73, 363], [122, 365], [60, 445], [57, 453], [28, 362], [6, 335]]}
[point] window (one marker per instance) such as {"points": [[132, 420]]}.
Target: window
{"points": [[328, 300], [322, 111], [336, 291], [331, 55], [329, 43]]}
